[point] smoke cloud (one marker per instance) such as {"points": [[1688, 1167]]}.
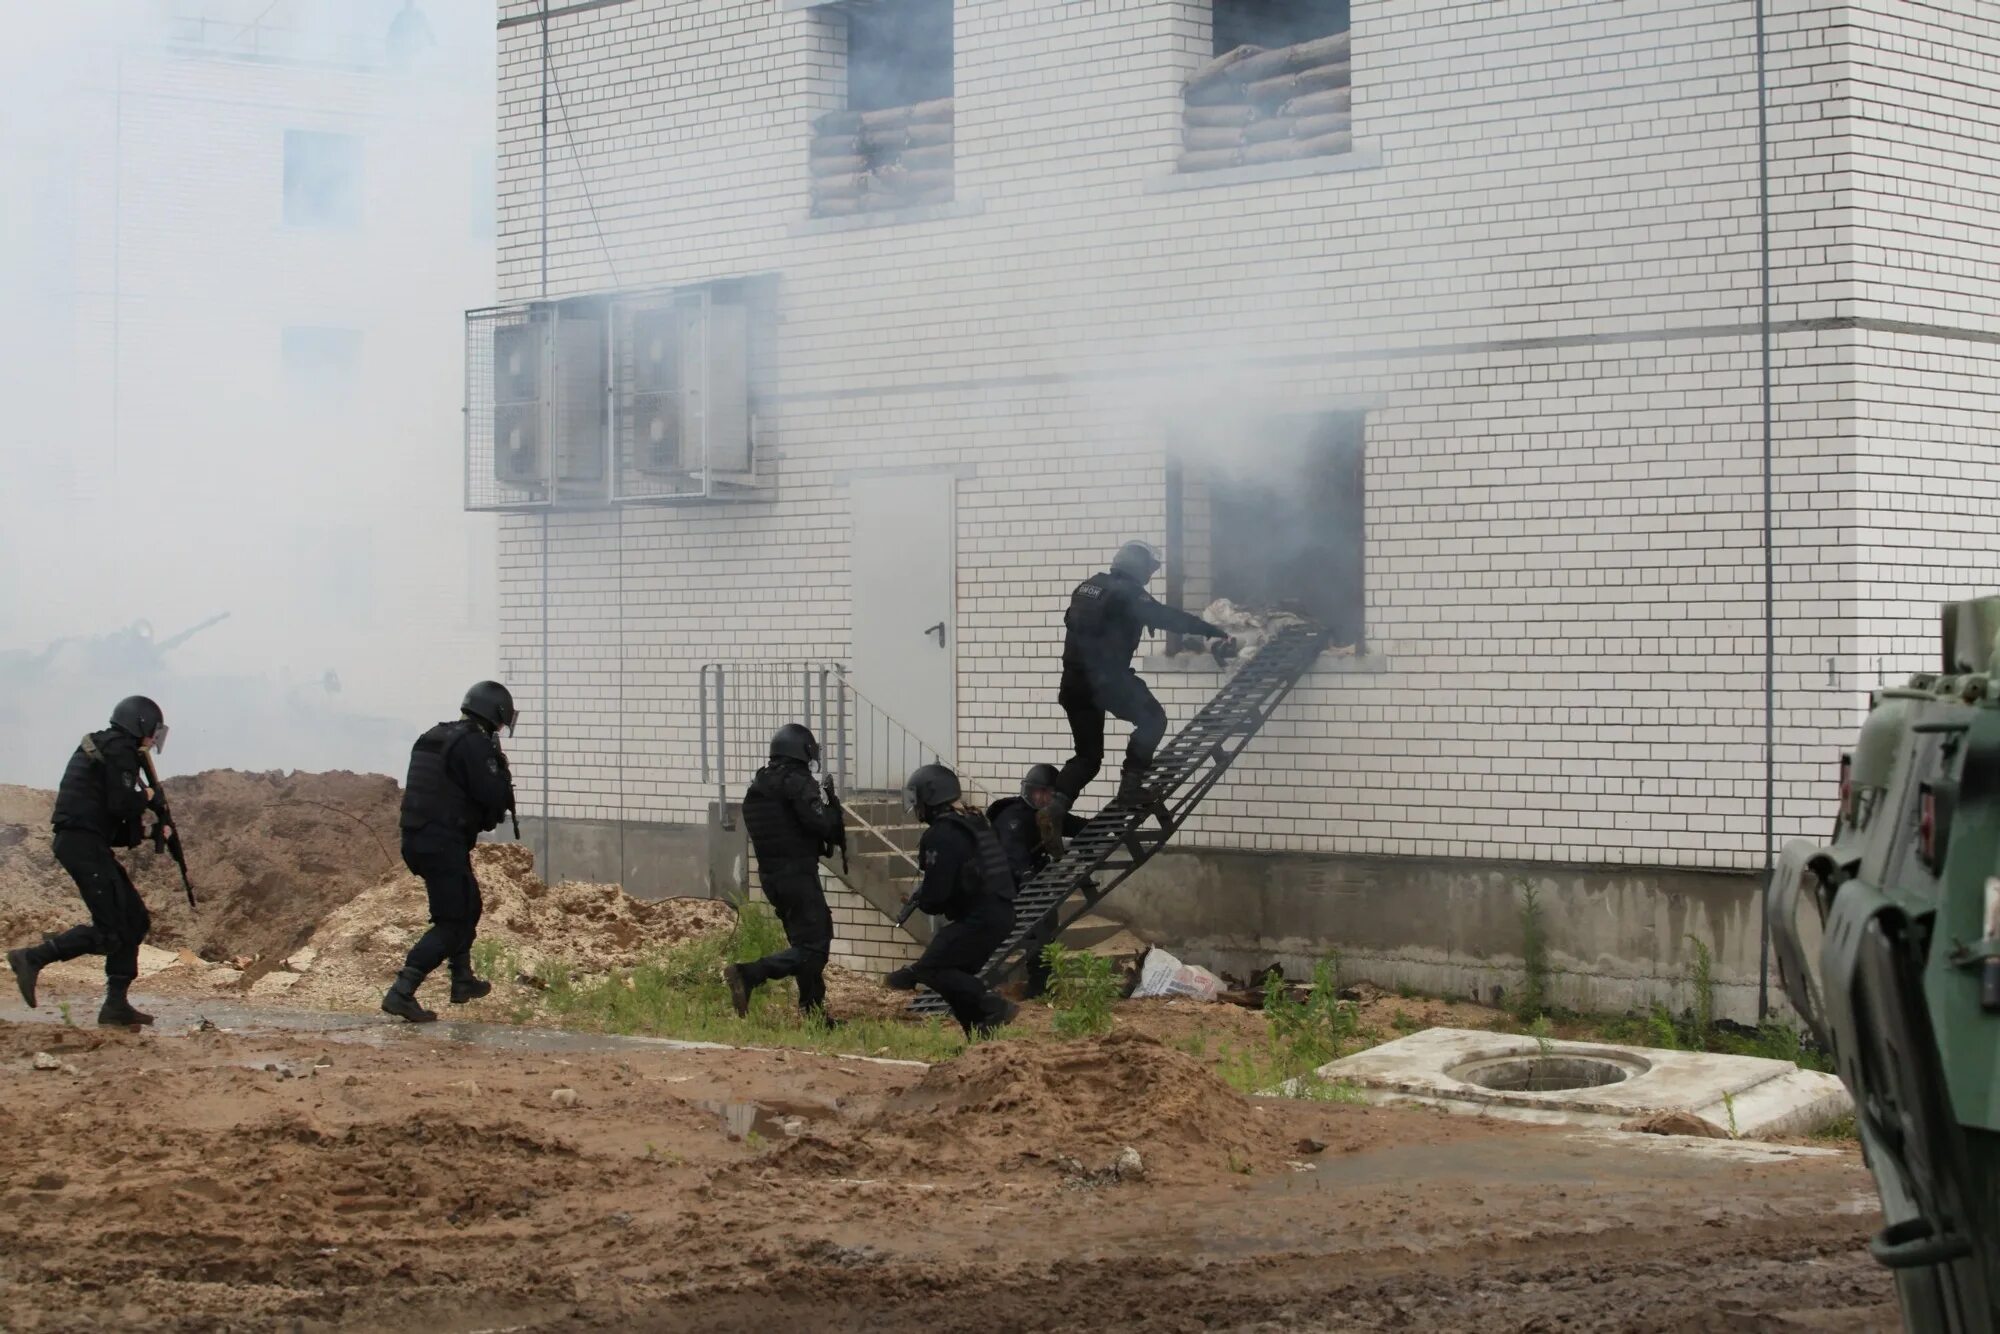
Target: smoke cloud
{"points": [[236, 241]]}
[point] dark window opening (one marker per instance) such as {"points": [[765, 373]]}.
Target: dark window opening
{"points": [[1274, 522], [899, 53], [1274, 23], [322, 179]]}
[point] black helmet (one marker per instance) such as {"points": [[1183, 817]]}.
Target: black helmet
{"points": [[139, 718], [1136, 560], [930, 789], [1041, 775], [794, 741], [490, 702]]}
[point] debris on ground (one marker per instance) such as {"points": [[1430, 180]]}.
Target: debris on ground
{"points": [[177, 1184], [1161, 974], [1675, 1123]]}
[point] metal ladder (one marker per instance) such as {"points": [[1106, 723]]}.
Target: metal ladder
{"points": [[1118, 840]]}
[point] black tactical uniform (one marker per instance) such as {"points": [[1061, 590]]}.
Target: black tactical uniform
{"points": [[1108, 613], [99, 806], [1032, 835], [967, 880], [459, 787], [792, 824], [1025, 830]]}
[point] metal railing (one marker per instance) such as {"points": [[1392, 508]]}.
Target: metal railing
{"points": [[862, 747]]}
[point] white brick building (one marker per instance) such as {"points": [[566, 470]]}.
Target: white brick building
{"points": [[1535, 277], [243, 234]]}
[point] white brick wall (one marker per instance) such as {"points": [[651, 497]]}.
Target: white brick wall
{"points": [[1543, 292], [168, 275]]}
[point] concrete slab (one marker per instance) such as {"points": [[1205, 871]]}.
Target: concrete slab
{"points": [[1613, 1087]]}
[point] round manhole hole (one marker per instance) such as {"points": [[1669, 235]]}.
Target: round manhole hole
{"points": [[1543, 1074]]}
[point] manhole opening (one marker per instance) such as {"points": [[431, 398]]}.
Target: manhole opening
{"points": [[1545, 1074]]}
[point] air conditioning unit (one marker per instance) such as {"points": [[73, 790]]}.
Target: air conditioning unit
{"points": [[566, 353], [518, 459], [680, 386], [652, 408], [614, 398]]}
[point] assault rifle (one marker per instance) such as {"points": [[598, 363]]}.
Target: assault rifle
{"points": [[508, 770], [163, 818], [839, 839]]}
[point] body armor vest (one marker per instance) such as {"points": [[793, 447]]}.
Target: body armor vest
{"points": [[429, 795], [777, 835], [989, 859]]}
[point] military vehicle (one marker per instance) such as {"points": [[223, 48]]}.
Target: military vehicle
{"points": [[1887, 940]]}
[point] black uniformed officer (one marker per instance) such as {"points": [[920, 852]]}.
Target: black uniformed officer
{"points": [[966, 879], [100, 806], [793, 822], [1032, 826], [1101, 630], [459, 787]]}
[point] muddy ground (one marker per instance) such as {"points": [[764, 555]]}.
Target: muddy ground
{"points": [[390, 1177], [248, 1164]]}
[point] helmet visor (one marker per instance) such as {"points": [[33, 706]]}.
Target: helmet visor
{"points": [[160, 738]]}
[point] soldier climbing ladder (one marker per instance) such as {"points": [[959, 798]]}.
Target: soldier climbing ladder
{"points": [[1119, 839]]}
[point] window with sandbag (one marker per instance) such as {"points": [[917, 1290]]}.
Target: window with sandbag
{"points": [[890, 147], [1278, 89]]}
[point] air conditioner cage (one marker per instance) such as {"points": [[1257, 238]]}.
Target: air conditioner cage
{"points": [[507, 460], [654, 384]]}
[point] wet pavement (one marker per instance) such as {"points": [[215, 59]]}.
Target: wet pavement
{"points": [[174, 1018]]}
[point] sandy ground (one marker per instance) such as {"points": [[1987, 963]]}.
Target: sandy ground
{"points": [[441, 1178], [275, 1154]]}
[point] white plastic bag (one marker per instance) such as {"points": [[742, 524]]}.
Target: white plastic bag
{"points": [[1161, 974]]}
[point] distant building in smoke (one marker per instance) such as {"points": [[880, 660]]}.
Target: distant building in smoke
{"points": [[257, 222], [1448, 333]]}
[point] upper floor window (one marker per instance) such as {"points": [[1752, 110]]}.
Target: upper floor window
{"points": [[898, 54], [322, 179], [891, 147], [1278, 89]]}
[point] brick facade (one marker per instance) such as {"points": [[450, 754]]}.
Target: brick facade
{"points": [[1537, 275]]}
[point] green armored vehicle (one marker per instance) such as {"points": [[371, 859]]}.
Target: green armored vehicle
{"points": [[1887, 941]]}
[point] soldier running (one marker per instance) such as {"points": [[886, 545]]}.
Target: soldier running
{"points": [[101, 805], [459, 787], [793, 822]]}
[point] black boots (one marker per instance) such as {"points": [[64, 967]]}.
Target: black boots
{"points": [[401, 1000], [28, 964], [1133, 791], [999, 1013], [464, 986], [117, 1012], [1049, 824], [741, 984]]}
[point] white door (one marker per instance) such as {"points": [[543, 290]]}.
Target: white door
{"points": [[905, 630]]}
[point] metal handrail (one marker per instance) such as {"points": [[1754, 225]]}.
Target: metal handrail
{"points": [[863, 747]]}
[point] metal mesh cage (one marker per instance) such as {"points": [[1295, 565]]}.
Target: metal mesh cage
{"points": [[592, 401], [508, 464], [534, 407]]}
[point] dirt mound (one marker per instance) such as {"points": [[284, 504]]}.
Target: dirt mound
{"points": [[1082, 1098], [590, 928], [271, 854]]}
